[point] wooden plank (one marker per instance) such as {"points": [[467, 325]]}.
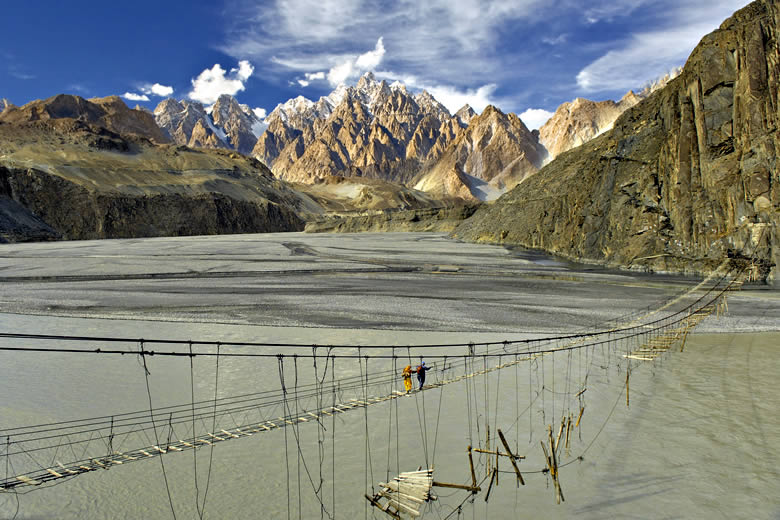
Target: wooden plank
{"points": [[511, 457], [51, 471], [27, 480], [473, 489], [378, 505]]}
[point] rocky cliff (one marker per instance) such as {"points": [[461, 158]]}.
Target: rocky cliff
{"points": [[66, 178], [492, 155], [188, 124], [684, 178], [577, 122], [241, 126], [109, 112]]}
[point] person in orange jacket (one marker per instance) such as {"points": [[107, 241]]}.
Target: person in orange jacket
{"points": [[407, 375]]}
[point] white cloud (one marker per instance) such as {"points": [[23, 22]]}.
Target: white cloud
{"points": [[371, 59], [557, 40], [448, 95], [213, 82], [313, 76], [534, 118], [340, 73], [355, 66], [260, 113], [157, 90], [303, 83], [437, 39], [454, 98], [135, 97]]}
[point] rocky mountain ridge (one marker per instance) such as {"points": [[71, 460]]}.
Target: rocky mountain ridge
{"points": [[380, 130], [494, 153], [371, 130], [65, 174], [577, 122], [227, 124], [684, 178], [108, 112]]}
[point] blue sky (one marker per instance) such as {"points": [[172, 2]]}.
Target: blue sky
{"points": [[517, 54]]}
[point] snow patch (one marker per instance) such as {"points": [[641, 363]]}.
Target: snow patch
{"points": [[481, 189], [258, 127], [220, 133]]}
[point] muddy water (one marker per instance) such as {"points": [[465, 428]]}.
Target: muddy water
{"points": [[696, 441]]}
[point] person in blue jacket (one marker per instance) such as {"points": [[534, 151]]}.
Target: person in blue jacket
{"points": [[421, 369]]}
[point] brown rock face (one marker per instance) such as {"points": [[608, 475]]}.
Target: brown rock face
{"points": [[109, 112], [492, 155], [239, 123], [65, 178], [371, 130], [188, 124], [581, 120], [685, 177]]}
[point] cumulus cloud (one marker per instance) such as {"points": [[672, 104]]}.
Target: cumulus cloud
{"points": [[213, 82], [340, 73], [130, 96], [303, 82], [157, 90], [534, 118], [353, 67], [371, 59], [260, 113]]}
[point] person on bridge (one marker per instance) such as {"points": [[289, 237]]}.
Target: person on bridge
{"points": [[421, 369], [407, 375]]}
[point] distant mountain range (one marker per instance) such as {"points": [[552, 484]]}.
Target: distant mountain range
{"points": [[676, 177], [382, 131]]}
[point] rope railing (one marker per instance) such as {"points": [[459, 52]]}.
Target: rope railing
{"points": [[253, 410]]}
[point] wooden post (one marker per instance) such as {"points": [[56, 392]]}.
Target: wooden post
{"points": [[582, 410], [554, 470], [627, 373], [490, 486], [560, 432], [685, 336], [473, 475], [473, 489], [487, 447], [511, 457]]}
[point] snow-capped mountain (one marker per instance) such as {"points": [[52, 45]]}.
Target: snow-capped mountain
{"points": [[372, 129], [226, 124]]}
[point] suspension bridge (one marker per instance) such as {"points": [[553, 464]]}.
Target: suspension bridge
{"points": [[38, 455]]}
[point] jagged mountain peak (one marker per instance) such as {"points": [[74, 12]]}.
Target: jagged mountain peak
{"points": [[225, 124], [465, 114]]}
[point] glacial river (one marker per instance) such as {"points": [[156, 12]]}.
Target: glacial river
{"points": [[697, 440]]}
